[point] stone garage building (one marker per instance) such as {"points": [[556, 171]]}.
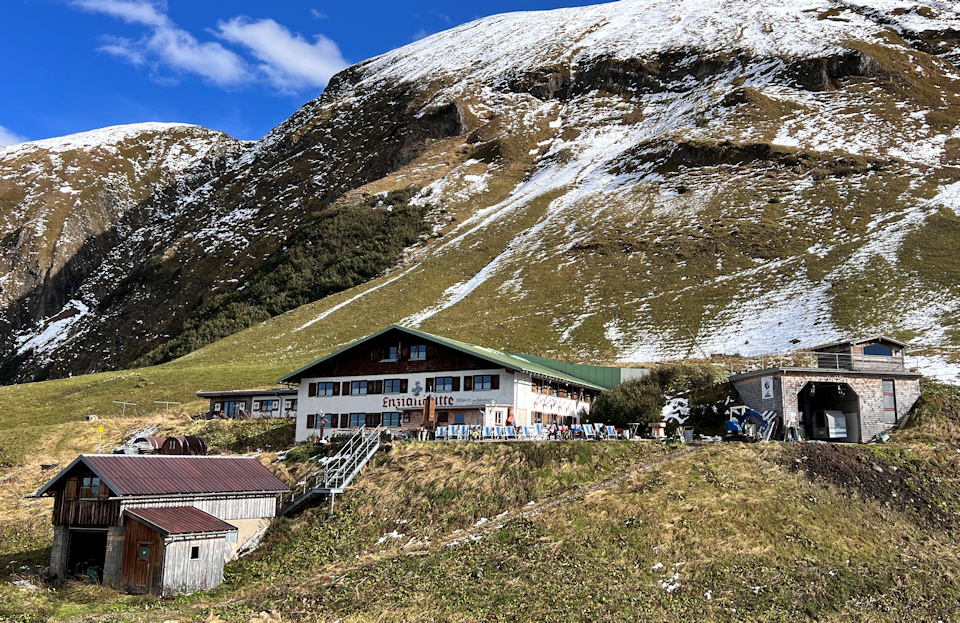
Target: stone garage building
{"points": [[866, 380]]}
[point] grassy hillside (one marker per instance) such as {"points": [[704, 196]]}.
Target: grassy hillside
{"points": [[447, 531]]}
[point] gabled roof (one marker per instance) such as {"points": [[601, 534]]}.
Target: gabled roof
{"points": [[516, 362], [854, 342], [242, 393], [179, 520], [152, 474]]}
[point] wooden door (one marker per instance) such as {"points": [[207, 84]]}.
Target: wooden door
{"points": [[142, 569]]}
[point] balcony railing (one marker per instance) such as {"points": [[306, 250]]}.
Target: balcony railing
{"points": [[866, 363]]}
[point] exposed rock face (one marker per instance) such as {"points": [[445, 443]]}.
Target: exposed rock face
{"points": [[758, 174]]}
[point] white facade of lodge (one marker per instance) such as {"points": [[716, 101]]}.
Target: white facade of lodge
{"points": [[409, 380]]}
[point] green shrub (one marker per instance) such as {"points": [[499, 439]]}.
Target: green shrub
{"points": [[642, 400]]}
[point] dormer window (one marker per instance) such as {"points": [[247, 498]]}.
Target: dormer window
{"points": [[418, 351]]}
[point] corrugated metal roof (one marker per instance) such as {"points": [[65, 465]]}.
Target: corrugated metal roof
{"points": [[180, 520], [139, 475], [511, 362]]}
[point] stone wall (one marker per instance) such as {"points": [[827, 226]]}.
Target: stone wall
{"points": [[113, 562], [58, 552], [751, 393]]}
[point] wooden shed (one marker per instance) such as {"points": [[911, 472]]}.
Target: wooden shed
{"points": [[170, 551], [126, 515]]}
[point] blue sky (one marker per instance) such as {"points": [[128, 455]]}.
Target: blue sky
{"points": [[240, 66]]}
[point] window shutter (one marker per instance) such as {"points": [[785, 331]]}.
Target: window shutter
{"points": [[404, 353], [311, 421], [346, 388], [403, 386], [467, 383], [456, 383], [378, 387], [494, 381], [312, 389], [430, 385], [71, 492], [336, 389], [374, 354], [431, 351]]}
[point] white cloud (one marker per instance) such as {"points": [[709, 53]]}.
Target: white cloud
{"points": [[167, 44], [130, 11], [420, 34], [287, 60], [318, 14], [9, 137]]}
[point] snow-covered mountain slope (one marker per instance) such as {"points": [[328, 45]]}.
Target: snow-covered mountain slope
{"points": [[634, 180]]}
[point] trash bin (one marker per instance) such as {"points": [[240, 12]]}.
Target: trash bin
{"points": [[688, 434]]}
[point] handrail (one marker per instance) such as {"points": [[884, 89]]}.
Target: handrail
{"points": [[849, 361], [340, 469]]}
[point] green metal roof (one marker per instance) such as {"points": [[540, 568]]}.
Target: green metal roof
{"points": [[537, 366]]}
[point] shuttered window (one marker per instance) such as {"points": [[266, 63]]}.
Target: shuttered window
{"points": [[444, 383], [393, 386], [373, 420], [90, 488]]}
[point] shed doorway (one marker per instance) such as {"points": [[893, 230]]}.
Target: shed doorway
{"points": [[817, 398], [87, 553]]}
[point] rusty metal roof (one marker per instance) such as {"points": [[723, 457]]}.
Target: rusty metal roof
{"points": [[179, 520], [147, 475]]}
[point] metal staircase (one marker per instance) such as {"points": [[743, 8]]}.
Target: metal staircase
{"points": [[338, 471]]}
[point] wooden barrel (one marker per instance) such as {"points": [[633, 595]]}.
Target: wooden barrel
{"points": [[149, 445], [194, 446], [173, 445]]}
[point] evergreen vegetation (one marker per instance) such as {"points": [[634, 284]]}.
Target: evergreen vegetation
{"points": [[334, 251], [642, 400]]}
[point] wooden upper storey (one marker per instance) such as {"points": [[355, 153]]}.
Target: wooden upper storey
{"points": [[395, 353]]}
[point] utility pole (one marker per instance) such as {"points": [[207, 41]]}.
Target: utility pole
{"points": [[165, 402], [123, 412]]}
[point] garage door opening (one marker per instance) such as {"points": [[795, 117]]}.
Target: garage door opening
{"points": [[88, 550], [831, 411]]}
